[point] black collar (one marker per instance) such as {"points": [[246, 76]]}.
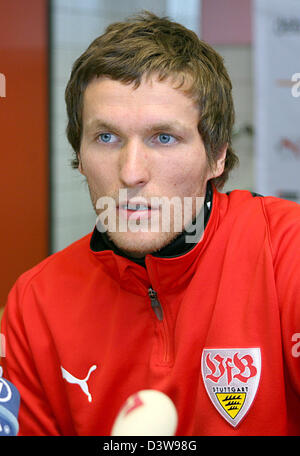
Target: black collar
{"points": [[179, 246]]}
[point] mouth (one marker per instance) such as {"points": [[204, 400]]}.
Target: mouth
{"points": [[136, 209]]}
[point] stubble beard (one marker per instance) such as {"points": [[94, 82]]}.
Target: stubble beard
{"points": [[139, 244]]}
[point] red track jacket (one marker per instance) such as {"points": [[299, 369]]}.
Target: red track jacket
{"points": [[81, 335]]}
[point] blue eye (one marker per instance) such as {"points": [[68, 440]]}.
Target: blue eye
{"points": [[164, 138], [105, 137]]}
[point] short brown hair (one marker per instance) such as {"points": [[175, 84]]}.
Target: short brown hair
{"points": [[145, 45]]}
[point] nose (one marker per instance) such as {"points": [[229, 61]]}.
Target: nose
{"points": [[133, 164]]}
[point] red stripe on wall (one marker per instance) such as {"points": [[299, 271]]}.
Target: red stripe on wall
{"points": [[23, 137]]}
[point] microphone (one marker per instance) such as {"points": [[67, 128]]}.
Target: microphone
{"points": [[9, 407], [147, 412]]}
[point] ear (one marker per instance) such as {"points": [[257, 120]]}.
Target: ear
{"points": [[219, 166], [80, 168]]}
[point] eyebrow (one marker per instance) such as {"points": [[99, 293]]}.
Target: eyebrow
{"points": [[173, 127], [99, 124]]}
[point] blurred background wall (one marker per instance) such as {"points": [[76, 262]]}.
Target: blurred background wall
{"points": [[45, 204]]}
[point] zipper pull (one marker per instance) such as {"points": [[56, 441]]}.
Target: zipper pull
{"points": [[155, 304]]}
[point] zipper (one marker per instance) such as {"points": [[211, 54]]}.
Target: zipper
{"points": [[155, 304], [161, 325]]}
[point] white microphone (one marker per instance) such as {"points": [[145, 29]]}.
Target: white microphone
{"points": [[147, 412]]}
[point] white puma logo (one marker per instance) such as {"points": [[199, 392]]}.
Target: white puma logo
{"points": [[82, 383]]}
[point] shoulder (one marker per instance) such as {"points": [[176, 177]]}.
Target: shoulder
{"points": [[57, 266], [280, 212], [275, 210], [279, 217], [49, 287], [283, 219]]}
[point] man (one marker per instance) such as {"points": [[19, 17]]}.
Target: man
{"points": [[209, 316]]}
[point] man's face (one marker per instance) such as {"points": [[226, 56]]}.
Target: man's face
{"points": [[145, 142]]}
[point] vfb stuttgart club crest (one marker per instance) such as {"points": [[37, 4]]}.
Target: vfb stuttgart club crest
{"points": [[231, 377]]}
